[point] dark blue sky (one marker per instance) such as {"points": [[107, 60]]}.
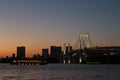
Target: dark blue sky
{"points": [[41, 23]]}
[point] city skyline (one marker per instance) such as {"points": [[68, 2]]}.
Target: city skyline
{"points": [[41, 23]]}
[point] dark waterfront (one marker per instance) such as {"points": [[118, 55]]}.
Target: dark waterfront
{"points": [[95, 55], [60, 72]]}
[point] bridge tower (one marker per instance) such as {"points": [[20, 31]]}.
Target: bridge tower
{"points": [[66, 53], [84, 40]]}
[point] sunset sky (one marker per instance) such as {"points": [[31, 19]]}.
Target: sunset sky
{"points": [[38, 24]]}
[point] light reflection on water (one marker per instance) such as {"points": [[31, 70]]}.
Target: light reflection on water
{"points": [[60, 72]]}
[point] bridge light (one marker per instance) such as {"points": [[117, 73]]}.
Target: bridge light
{"points": [[80, 60], [69, 61], [64, 61]]}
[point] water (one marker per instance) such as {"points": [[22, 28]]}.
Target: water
{"points": [[60, 72]]}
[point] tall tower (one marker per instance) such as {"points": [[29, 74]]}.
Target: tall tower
{"points": [[84, 40], [56, 51], [67, 48], [20, 52], [45, 53], [66, 53]]}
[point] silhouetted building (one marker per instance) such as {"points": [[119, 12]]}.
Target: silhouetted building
{"points": [[37, 56], [56, 52], [21, 52], [13, 55], [45, 53]]}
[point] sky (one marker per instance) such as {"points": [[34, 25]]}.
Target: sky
{"points": [[38, 24]]}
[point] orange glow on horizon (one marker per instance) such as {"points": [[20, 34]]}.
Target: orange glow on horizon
{"points": [[30, 51]]}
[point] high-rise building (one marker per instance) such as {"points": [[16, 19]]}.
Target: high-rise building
{"points": [[20, 52], [56, 51], [13, 55], [45, 53]]}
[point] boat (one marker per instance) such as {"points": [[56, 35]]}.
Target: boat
{"points": [[93, 62], [28, 62]]}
